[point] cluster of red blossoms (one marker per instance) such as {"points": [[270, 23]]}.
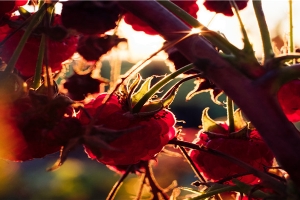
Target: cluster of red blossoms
{"points": [[244, 143], [42, 126], [153, 133], [44, 122]]}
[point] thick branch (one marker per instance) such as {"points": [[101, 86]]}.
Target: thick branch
{"points": [[259, 106]]}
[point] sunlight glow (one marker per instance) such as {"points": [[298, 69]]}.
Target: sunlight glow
{"points": [[141, 45]]}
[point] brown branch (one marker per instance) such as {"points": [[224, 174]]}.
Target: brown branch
{"points": [[266, 179], [259, 106], [118, 184], [158, 192]]}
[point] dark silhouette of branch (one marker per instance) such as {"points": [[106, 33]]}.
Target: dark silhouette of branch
{"points": [[254, 98]]}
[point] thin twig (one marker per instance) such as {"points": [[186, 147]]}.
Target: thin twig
{"points": [[139, 194], [156, 189], [118, 184], [271, 123], [192, 164], [267, 180]]}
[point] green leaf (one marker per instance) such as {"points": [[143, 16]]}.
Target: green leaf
{"points": [[24, 13], [167, 100], [151, 108], [240, 134], [134, 84], [132, 88], [141, 92], [138, 106], [209, 125], [169, 96], [239, 121]]}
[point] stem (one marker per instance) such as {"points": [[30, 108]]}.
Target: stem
{"points": [[182, 14], [230, 111], [37, 17], [192, 164], [264, 32], [47, 71], [275, 129], [139, 194], [156, 189], [118, 184], [267, 180], [210, 35], [39, 65], [291, 43], [276, 78], [40, 3], [247, 44]]}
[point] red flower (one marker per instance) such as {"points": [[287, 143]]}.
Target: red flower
{"points": [[4, 31], [90, 17], [289, 99], [93, 47], [79, 86], [137, 24], [22, 139], [146, 136], [7, 8], [66, 129], [224, 7], [34, 128], [10, 6], [13, 144], [252, 151], [177, 60], [59, 51]]}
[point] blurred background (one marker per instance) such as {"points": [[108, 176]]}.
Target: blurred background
{"points": [[83, 179]]}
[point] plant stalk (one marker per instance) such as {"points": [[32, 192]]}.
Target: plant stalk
{"points": [[253, 98], [118, 184], [39, 65], [264, 31], [36, 19], [230, 111], [192, 164], [291, 42]]}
